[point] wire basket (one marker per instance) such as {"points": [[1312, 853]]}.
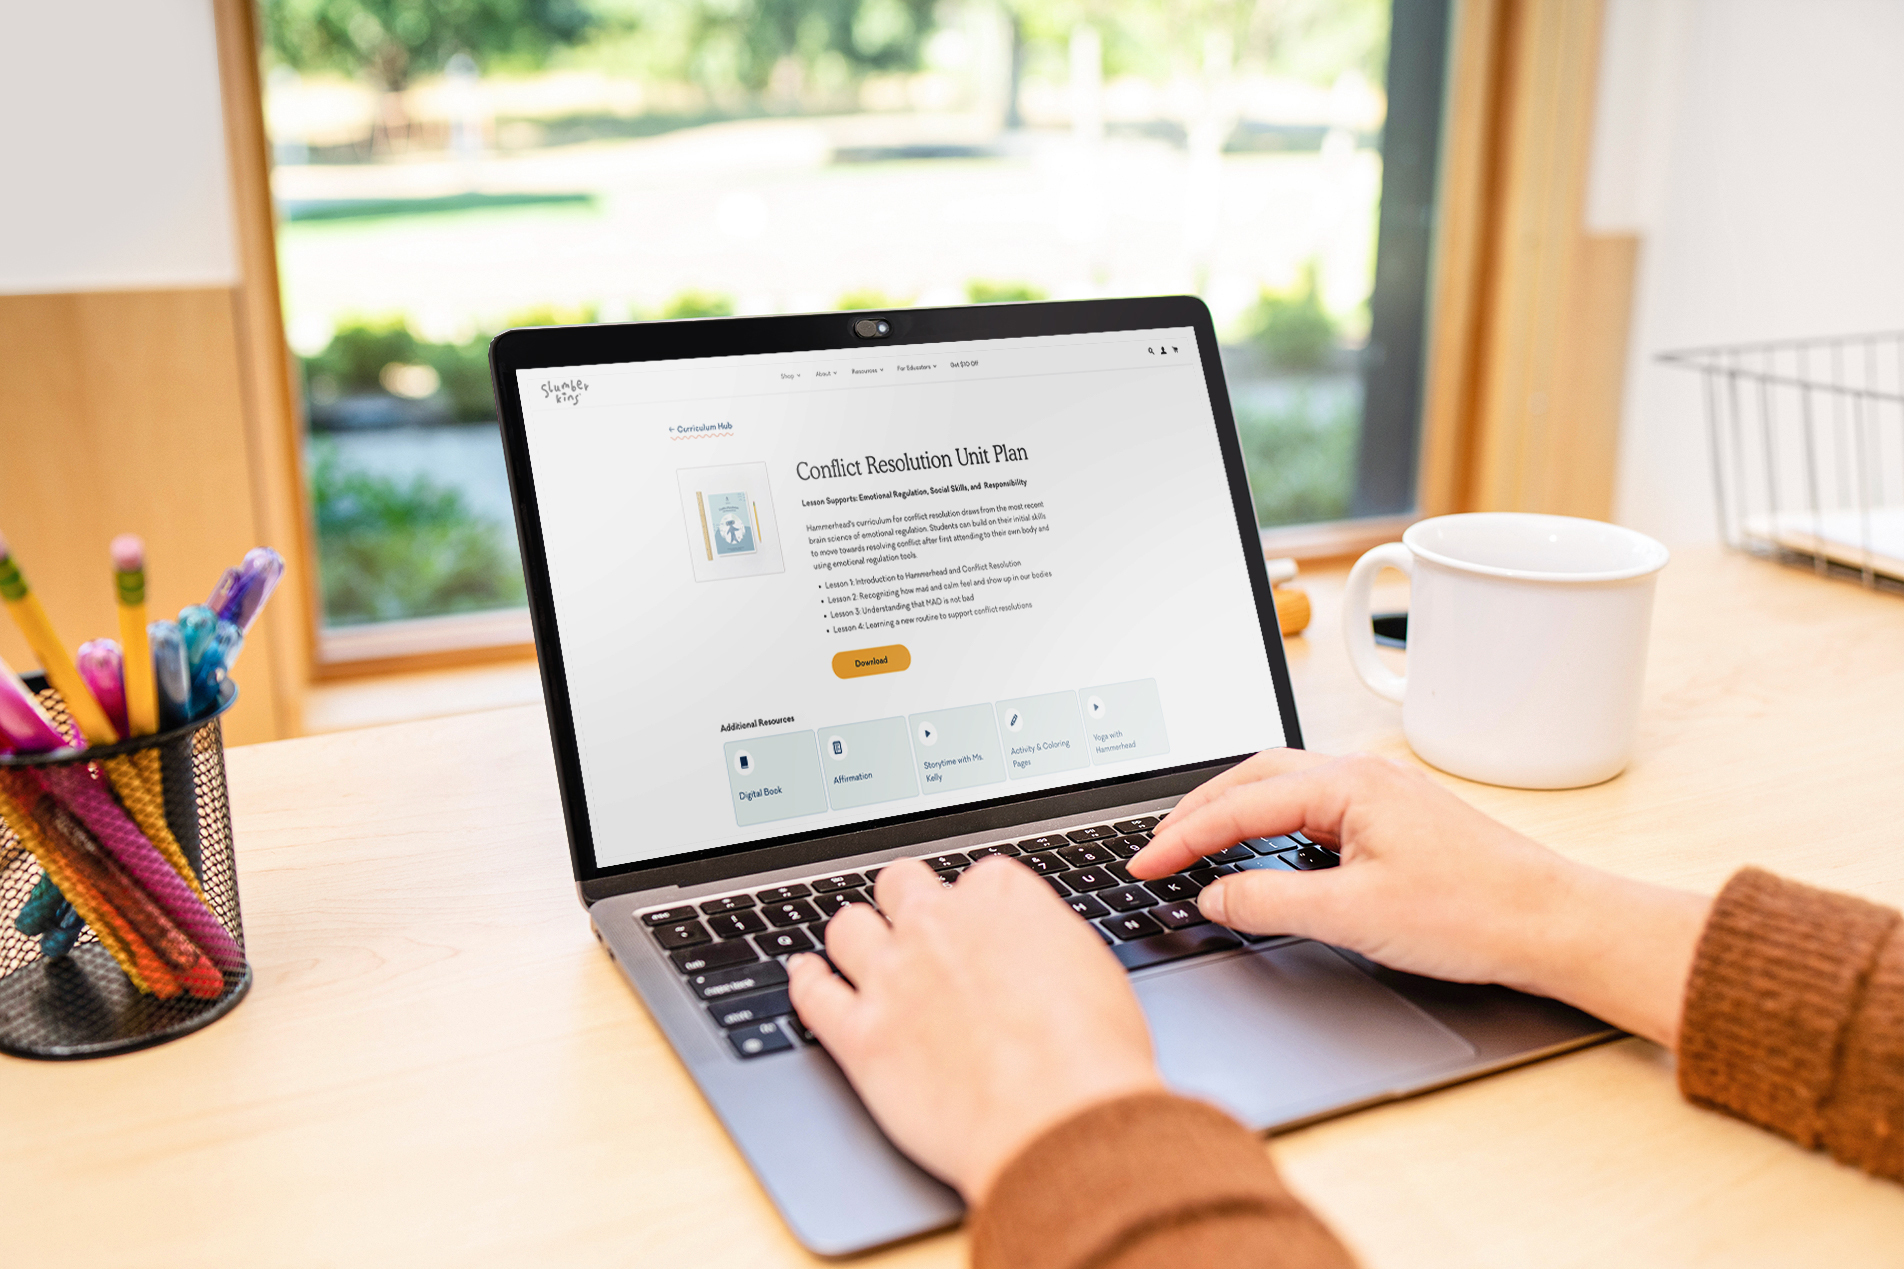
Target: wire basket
{"points": [[1807, 448], [72, 997]]}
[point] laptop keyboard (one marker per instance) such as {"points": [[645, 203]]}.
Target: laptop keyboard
{"points": [[731, 949]]}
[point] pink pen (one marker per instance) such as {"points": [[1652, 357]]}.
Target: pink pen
{"points": [[103, 667], [23, 724]]}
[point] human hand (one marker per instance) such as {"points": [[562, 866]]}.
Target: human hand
{"points": [[1431, 886], [980, 1016]]}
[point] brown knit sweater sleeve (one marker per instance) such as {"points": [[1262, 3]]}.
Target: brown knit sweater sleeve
{"points": [[1795, 1019], [1150, 1181]]}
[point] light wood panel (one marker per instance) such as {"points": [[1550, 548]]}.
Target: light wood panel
{"points": [[124, 411], [1531, 312], [272, 415], [438, 1065]]}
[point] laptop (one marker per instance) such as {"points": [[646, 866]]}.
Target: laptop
{"points": [[815, 593]]}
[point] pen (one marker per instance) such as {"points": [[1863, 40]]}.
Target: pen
{"points": [[85, 796], [145, 970], [23, 724], [241, 593], [213, 666], [171, 675], [142, 702], [196, 625], [101, 665]]}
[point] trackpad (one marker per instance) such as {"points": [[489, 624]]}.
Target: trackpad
{"points": [[1289, 1032]]}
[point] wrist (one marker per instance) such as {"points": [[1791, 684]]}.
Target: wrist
{"points": [[1618, 948]]}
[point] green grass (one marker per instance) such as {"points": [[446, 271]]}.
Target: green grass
{"points": [[1301, 462], [362, 208], [389, 550]]}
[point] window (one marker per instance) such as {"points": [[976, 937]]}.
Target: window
{"points": [[440, 176]]}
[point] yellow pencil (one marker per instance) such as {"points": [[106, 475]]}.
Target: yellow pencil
{"points": [[54, 659], [142, 692]]}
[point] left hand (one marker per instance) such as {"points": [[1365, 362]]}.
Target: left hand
{"points": [[980, 1016]]}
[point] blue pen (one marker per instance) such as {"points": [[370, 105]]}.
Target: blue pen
{"points": [[171, 672], [196, 625], [213, 666]]}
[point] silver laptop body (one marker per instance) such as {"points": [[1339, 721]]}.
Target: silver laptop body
{"points": [[815, 593]]}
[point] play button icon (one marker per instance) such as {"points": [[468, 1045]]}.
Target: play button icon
{"points": [[1094, 706], [928, 733]]}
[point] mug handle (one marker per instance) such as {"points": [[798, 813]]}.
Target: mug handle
{"points": [[1356, 627]]}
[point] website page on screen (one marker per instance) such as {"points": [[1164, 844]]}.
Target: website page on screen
{"points": [[796, 591]]}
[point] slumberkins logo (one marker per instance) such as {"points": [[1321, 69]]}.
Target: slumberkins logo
{"points": [[568, 392]]}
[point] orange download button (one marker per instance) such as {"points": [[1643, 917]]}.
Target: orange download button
{"points": [[857, 664]]}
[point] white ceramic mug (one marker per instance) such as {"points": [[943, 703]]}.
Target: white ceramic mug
{"points": [[1526, 644]]}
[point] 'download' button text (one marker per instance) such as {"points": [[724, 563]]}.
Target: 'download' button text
{"points": [[860, 662]]}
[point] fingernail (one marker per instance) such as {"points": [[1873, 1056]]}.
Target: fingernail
{"points": [[1210, 903]]}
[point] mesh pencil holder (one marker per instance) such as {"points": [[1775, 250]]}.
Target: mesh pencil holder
{"points": [[142, 941]]}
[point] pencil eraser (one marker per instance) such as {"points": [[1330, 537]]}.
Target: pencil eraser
{"points": [[128, 552], [4, 552]]}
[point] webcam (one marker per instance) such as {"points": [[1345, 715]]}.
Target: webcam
{"points": [[872, 328]]}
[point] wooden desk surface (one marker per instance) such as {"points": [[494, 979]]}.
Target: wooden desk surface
{"points": [[439, 1066]]}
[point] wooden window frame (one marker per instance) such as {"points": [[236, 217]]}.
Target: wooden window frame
{"points": [[1524, 309]]}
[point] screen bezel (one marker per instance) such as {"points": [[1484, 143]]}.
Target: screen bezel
{"points": [[559, 347]]}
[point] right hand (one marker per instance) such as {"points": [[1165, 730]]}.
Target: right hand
{"points": [[1431, 886]]}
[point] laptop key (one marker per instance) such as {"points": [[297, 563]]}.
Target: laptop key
{"points": [[728, 903], [1173, 888], [782, 915], [1300, 839], [838, 881], [1062, 889], [828, 904], [1175, 945], [1087, 906], [1127, 898], [761, 1038], [1142, 824], [695, 960], [1311, 858], [761, 1006], [1085, 856], [1233, 855], [681, 934], [1272, 863], [1131, 925], [1178, 916], [1204, 875], [783, 894], [1089, 879], [954, 860], [1051, 841], [1002, 848], [1094, 833], [1128, 845], [1108, 940], [1118, 871], [785, 942], [732, 925], [720, 983], [669, 916], [1046, 864], [1270, 845]]}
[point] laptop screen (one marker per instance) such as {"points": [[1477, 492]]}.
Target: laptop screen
{"points": [[800, 591]]}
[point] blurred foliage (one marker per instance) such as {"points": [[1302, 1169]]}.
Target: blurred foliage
{"points": [[1301, 459], [698, 304], [389, 550], [980, 291], [393, 41], [869, 297], [1293, 329]]}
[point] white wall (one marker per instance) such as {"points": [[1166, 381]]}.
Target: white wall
{"points": [[1758, 148], [112, 147]]}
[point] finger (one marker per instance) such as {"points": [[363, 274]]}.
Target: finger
{"points": [[821, 999], [1281, 804], [1270, 762], [857, 938], [1261, 901], [902, 884]]}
